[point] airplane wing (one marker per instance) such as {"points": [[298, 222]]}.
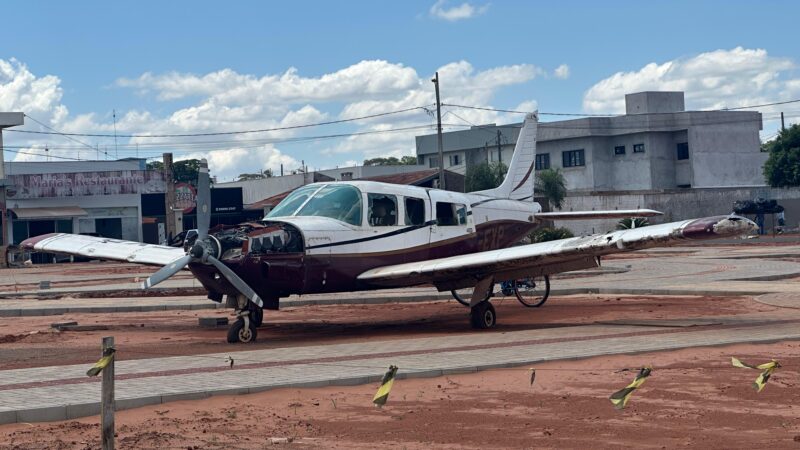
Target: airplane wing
{"points": [[551, 257], [103, 248], [589, 215]]}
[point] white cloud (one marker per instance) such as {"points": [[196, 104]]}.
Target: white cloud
{"points": [[463, 11], [717, 79], [561, 72], [228, 101]]}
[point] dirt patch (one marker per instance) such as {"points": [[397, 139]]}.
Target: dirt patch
{"points": [[693, 398], [143, 335]]}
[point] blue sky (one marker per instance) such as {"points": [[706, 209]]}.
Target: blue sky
{"points": [[70, 66]]}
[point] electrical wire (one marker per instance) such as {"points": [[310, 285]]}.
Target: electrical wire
{"points": [[526, 112], [226, 133]]}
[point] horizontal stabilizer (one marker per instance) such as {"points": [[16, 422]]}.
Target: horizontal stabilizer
{"points": [[588, 215]]}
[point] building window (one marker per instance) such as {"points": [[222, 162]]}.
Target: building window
{"points": [[543, 161], [347, 176], [683, 150], [455, 160], [433, 161], [619, 150], [573, 158], [638, 148]]}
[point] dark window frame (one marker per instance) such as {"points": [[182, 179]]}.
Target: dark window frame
{"points": [[542, 161], [407, 220], [638, 148], [573, 158], [682, 151], [619, 150], [457, 214]]}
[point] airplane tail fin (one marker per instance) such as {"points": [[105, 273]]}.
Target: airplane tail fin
{"points": [[518, 184]]}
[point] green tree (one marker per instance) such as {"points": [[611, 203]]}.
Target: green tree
{"points": [[551, 184], [184, 171], [782, 168], [484, 176], [255, 176], [391, 161]]}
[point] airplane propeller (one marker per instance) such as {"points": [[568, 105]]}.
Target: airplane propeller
{"points": [[206, 249]]}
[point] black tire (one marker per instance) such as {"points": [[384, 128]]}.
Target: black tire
{"points": [[465, 295], [256, 315], [532, 296], [483, 316], [237, 333]]}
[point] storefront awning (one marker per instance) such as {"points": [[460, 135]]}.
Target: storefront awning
{"points": [[49, 213]]}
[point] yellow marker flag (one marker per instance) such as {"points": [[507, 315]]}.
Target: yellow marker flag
{"points": [[763, 377], [386, 385], [101, 364], [621, 397]]}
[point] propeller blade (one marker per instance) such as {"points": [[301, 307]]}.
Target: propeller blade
{"points": [[237, 282], [203, 207], [166, 271]]}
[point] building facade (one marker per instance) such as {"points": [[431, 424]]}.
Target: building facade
{"points": [[100, 198], [655, 145]]}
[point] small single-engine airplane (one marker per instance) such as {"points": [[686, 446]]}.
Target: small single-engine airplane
{"points": [[360, 235]]}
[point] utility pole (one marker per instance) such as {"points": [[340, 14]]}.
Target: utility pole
{"points": [[499, 149], [435, 81], [169, 197], [783, 124], [116, 148]]}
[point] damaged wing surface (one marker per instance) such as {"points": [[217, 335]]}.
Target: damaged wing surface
{"points": [[103, 248]]}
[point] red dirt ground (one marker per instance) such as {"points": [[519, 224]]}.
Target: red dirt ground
{"points": [[694, 398], [29, 341]]}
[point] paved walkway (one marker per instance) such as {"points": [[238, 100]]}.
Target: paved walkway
{"points": [[737, 270], [64, 392], [61, 392]]}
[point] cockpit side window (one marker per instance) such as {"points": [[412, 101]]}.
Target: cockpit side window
{"points": [[415, 211], [382, 210], [451, 214]]}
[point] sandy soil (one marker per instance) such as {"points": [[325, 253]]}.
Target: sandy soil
{"points": [[30, 341], [693, 398]]}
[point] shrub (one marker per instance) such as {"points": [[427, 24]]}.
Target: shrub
{"points": [[632, 222], [549, 234]]}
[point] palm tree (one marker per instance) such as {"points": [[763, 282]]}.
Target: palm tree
{"points": [[551, 184]]}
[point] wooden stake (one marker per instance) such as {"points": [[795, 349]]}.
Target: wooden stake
{"points": [[107, 398]]}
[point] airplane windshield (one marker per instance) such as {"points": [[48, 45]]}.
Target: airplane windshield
{"points": [[340, 202]]}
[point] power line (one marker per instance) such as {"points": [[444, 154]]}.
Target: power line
{"points": [[761, 106], [60, 133], [191, 146], [225, 133], [49, 156], [526, 112]]}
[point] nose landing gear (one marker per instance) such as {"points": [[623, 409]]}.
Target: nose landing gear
{"points": [[249, 317]]}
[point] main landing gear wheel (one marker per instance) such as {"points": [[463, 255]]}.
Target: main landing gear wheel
{"points": [[532, 291], [483, 316], [238, 332], [464, 296]]}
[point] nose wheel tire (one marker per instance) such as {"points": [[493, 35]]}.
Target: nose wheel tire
{"points": [[483, 316], [239, 333]]}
